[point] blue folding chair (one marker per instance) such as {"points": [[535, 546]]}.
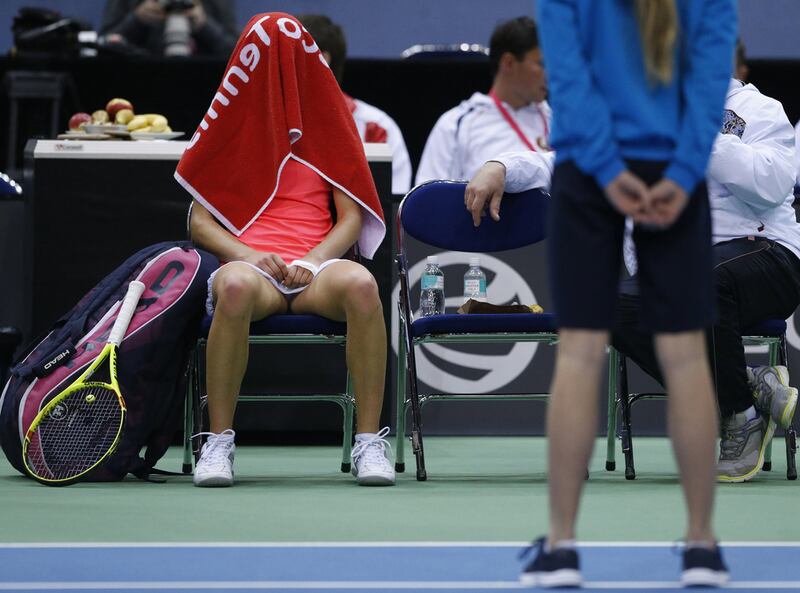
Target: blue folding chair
{"points": [[434, 213], [276, 329], [770, 333]]}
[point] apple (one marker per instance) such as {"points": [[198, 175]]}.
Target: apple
{"points": [[123, 116], [78, 120], [100, 117], [117, 104]]}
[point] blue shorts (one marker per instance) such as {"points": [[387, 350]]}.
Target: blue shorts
{"points": [[585, 256]]}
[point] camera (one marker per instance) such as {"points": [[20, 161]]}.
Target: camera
{"points": [[176, 5], [177, 28]]}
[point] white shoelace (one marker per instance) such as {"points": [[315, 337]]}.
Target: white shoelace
{"points": [[373, 449], [217, 449]]}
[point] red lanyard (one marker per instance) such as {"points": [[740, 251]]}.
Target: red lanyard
{"points": [[515, 126]]}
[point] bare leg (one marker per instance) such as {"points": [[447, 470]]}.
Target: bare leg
{"points": [[572, 424], [693, 424], [346, 291], [241, 296]]}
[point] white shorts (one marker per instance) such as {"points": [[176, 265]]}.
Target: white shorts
{"points": [[281, 287]]}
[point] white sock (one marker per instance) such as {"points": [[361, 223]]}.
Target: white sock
{"points": [[563, 544], [698, 544], [365, 436]]}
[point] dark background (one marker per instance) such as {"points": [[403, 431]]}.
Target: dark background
{"points": [[415, 94]]}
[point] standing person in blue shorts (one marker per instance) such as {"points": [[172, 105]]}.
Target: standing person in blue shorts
{"points": [[638, 88]]}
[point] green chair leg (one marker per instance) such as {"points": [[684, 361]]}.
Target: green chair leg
{"points": [[773, 361], [188, 418], [611, 430], [400, 396], [347, 439]]}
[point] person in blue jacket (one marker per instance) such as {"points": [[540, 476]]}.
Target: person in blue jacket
{"points": [[637, 89]]}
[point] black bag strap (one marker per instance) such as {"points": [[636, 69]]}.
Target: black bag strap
{"points": [[144, 471]]}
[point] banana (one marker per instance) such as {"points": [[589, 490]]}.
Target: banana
{"points": [[158, 123], [152, 116], [137, 123]]}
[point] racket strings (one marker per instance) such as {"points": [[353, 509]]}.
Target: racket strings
{"points": [[76, 434]]}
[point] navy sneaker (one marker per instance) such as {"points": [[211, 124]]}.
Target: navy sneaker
{"points": [[556, 568], [703, 568]]}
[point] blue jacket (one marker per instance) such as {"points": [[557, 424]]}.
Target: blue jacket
{"points": [[604, 107]]}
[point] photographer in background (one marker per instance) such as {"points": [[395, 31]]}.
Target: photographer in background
{"points": [[173, 27]]}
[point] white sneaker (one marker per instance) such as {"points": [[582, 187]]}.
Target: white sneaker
{"points": [[371, 467], [215, 466]]}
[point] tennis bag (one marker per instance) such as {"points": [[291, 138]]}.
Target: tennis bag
{"points": [[151, 366]]}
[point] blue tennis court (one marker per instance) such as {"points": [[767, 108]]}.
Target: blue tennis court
{"points": [[364, 567]]}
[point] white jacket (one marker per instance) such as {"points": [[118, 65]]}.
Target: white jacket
{"points": [[797, 150], [467, 136], [366, 114], [751, 173], [750, 176]]}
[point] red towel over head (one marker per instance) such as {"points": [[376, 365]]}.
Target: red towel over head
{"points": [[277, 100]]}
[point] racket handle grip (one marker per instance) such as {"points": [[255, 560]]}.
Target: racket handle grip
{"points": [[126, 310]]}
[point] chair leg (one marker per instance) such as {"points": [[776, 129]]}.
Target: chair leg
{"points": [[611, 429], [791, 452], [767, 467], [625, 433], [790, 436], [198, 407], [774, 359], [188, 416], [400, 404], [347, 429], [416, 415]]}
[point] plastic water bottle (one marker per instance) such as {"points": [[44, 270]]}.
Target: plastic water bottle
{"points": [[431, 299], [475, 281]]}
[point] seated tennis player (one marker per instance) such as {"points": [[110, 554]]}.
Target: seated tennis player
{"points": [[275, 150]]}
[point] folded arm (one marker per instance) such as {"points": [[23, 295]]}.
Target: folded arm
{"points": [[708, 53], [338, 242], [758, 168], [582, 115]]}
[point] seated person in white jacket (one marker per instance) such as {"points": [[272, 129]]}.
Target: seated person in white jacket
{"points": [[373, 124], [512, 116], [757, 276]]}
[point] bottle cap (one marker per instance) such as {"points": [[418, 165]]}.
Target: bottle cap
{"points": [[433, 259], [474, 261]]}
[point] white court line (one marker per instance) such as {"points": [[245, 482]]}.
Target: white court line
{"points": [[401, 544], [356, 585]]}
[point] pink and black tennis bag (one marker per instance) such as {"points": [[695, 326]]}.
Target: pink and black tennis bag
{"points": [[152, 362]]}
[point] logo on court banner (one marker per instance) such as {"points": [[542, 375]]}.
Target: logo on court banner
{"points": [[469, 368]]}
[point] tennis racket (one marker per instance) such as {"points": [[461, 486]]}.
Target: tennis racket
{"points": [[82, 425]]}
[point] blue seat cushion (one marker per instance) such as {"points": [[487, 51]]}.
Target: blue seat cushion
{"points": [[290, 324], [483, 324], [770, 328]]}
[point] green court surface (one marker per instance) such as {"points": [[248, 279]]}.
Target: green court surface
{"points": [[480, 489]]}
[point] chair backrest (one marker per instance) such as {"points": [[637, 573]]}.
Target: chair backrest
{"points": [[453, 51], [435, 214]]}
